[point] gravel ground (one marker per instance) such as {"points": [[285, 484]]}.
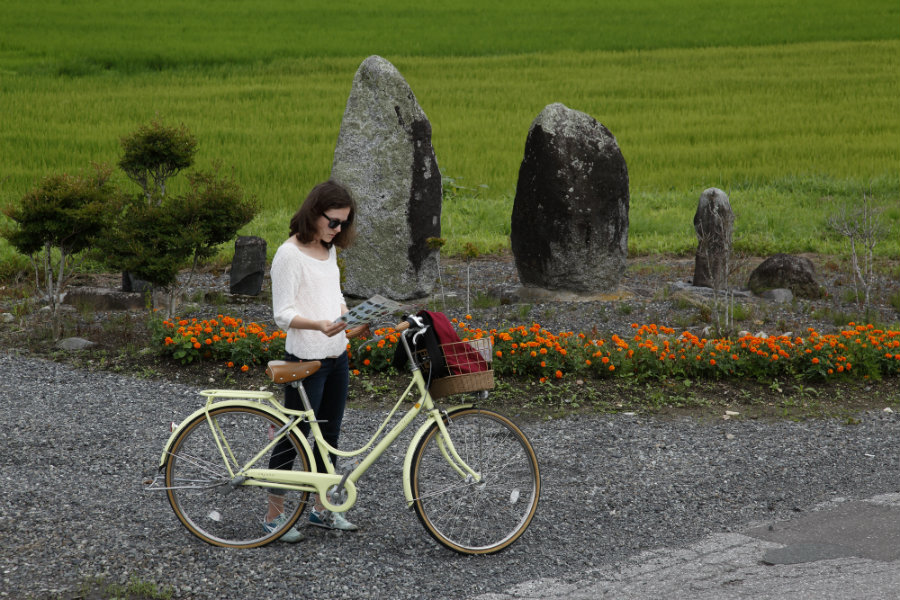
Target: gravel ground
{"points": [[76, 445], [72, 506]]}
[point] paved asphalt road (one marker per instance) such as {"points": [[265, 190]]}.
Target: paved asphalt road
{"points": [[843, 550]]}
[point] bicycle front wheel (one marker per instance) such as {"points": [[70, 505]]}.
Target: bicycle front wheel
{"points": [[476, 517], [200, 488]]}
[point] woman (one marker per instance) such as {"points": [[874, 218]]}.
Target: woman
{"points": [[306, 300]]}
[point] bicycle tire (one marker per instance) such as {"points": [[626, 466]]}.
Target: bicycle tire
{"points": [[199, 486], [476, 517]]}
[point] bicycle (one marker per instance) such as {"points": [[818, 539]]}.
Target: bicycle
{"points": [[470, 474]]}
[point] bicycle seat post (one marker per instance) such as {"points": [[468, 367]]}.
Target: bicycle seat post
{"points": [[302, 391]]}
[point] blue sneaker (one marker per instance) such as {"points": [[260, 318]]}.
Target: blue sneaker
{"points": [[330, 520], [291, 536]]}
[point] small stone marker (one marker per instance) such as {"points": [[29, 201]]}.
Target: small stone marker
{"points": [[248, 267], [714, 224]]}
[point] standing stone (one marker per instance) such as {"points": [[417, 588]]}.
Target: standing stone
{"points": [[385, 158], [569, 227], [248, 267], [714, 224], [131, 283]]}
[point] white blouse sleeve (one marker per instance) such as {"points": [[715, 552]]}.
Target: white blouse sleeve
{"points": [[285, 282]]}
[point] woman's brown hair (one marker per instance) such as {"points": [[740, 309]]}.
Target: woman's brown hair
{"points": [[324, 196]]}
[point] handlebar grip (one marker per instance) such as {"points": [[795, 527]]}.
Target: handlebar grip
{"points": [[402, 326]]}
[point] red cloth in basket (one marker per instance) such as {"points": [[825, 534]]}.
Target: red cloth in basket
{"points": [[460, 357]]}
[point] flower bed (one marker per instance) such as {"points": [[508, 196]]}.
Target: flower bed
{"points": [[659, 352], [653, 351], [224, 339]]}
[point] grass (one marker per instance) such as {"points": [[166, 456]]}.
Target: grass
{"points": [[788, 108], [104, 35]]}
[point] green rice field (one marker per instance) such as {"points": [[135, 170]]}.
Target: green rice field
{"points": [[789, 107]]}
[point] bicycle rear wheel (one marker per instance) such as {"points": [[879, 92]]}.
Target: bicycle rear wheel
{"points": [[200, 489], [476, 517]]}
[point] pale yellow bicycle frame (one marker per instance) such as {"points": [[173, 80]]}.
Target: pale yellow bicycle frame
{"points": [[313, 481]]}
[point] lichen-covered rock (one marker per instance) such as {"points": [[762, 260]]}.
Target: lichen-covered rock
{"points": [[714, 224], [569, 227], [385, 158]]}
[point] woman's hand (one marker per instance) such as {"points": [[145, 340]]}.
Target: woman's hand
{"points": [[331, 328]]}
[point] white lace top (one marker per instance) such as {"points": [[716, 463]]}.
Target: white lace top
{"points": [[311, 288]]}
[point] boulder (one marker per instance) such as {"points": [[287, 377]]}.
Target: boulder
{"points": [[795, 273], [74, 344], [248, 267], [569, 228], [778, 295], [714, 224], [385, 158], [97, 298]]}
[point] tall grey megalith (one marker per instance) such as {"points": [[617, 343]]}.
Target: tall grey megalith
{"points": [[385, 158]]}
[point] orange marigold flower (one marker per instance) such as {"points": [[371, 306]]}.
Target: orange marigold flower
{"points": [[712, 361], [558, 374], [197, 345], [543, 364], [499, 353], [367, 362], [815, 360], [612, 367], [244, 368]]}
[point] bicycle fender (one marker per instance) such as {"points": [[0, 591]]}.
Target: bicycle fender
{"points": [[407, 462], [244, 403]]}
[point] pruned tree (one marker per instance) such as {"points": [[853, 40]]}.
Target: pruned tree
{"points": [[159, 234], [864, 228], [55, 222], [154, 154]]}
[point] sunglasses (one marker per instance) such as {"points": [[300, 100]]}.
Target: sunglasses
{"points": [[335, 223]]}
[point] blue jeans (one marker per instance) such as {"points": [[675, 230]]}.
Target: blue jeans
{"points": [[327, 393]]}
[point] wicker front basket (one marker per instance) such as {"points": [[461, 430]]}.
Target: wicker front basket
{"points": [[460, 384], [460, 358]]}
